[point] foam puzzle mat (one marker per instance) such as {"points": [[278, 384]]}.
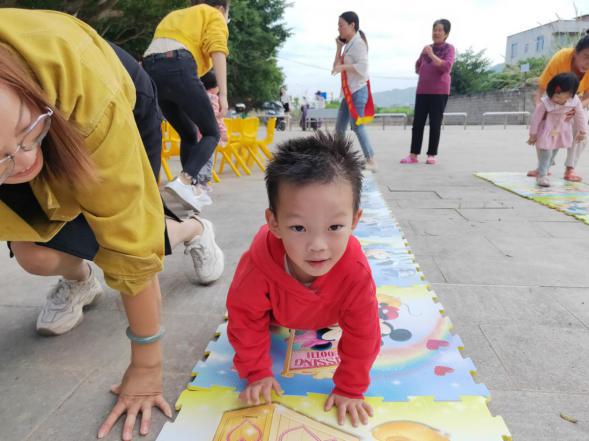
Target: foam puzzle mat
{"points": [[422, 388], [571, 198]]}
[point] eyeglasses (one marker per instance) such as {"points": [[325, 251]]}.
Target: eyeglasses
{"points": [[32, 139]]}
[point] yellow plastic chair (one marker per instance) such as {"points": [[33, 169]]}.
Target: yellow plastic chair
{"points": [[229, 151], [248, 141], [263, 144], [170, 147]]}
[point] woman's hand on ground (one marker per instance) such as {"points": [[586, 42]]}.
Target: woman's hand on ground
{"points": [[358, 409], [140, 390], [251, 394]]}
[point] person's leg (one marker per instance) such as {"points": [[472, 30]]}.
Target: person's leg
{"points": [[65, 255], [436, 115], [545, 158], [573, 155], [42, 261], [419, 117], [343, 118], [359, 98], [187, 107]]}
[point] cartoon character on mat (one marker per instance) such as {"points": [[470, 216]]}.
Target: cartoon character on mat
{"points": [[407, 431], [326, 338]]}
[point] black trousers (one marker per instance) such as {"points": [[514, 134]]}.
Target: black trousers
{"points": [[147, 113], [432, 106], [186, 105]]}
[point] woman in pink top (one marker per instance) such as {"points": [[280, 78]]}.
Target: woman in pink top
{"points": [[433, 88], [550, 129]]}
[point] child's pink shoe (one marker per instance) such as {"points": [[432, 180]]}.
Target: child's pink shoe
{"points": [[409, 160], [431, 160]]}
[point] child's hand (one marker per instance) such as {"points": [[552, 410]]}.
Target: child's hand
{"points": [[251, 394], [532, 139], [580, 136], [357, 408]]}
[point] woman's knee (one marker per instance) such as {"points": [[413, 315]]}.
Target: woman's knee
{"points": [[35, 259]]}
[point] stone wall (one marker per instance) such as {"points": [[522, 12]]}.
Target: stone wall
{"points": [[475, 105]]}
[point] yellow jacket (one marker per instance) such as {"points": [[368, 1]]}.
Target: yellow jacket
{"points": [[83, 78], [201, 28], [562, 62]]}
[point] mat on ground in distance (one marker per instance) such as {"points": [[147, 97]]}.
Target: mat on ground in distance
{"points": [[571, 198], [422, 389]]}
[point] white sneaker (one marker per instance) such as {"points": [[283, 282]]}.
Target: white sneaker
{"points": [[204, 199], [65, 303], [206, 255], [543, 181], [185, 193]]}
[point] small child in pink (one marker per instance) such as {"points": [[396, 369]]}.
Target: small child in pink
{"points": [[551, 128]]}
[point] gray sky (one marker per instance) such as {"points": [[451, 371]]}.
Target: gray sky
{"points": [[397, 32]]}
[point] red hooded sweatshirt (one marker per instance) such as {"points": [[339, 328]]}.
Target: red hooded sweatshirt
{"points": [[262, 292]]}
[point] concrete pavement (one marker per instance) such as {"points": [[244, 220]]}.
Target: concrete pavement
{"points": [[511, 274]]}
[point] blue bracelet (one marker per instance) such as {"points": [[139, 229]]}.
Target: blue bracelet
{"points": [[145, 340]]}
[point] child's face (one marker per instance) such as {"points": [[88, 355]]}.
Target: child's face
{"points": [[314, 223], [561, 97]]}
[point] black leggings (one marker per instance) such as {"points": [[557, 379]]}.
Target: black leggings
{"points": [[432, 105]]}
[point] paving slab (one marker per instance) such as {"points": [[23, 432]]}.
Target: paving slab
{"points": [[542, 358]]}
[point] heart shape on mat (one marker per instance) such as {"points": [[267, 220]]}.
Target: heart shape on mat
{"points": [[440, 371], [436, 344]]}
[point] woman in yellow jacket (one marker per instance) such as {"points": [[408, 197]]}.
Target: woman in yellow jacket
{"points": [[76, 185], [187, 43]]}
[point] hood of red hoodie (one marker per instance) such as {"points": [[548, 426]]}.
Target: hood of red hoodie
{"points": [[267, 253]]}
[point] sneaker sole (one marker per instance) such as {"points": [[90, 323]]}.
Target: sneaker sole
{"points": [[180, 199], [48, 332]]}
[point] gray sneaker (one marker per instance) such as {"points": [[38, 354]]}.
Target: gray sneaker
{"points": [[64, 308], [206, 255], [543, 181]]}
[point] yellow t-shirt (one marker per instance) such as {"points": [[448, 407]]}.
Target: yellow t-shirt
{"points": [[82, 77], [201, 28], [562, 62]]}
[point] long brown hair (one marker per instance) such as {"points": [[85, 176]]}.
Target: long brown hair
{"points": [[64, 155]]}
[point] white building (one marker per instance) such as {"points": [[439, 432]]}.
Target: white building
{"points": [[543, 41]]}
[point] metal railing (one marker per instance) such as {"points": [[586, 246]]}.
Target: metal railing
{"points": [[506, 115], [460, 114], [384, 116]]}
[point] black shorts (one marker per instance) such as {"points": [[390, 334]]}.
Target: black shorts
{"points": [[75, 238]]}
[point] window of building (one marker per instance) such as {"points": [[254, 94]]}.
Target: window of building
{"points": [[513, 50], [526, 48], [540, 43]]}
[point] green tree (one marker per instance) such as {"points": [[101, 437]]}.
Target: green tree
{"points": [[256, 32], [470, 72], [512, 77]]}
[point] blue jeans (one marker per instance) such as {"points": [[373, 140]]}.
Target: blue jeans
{"points": [[359, 99]]}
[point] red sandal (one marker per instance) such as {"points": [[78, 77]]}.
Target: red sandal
{"points": [[569, 175]]}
